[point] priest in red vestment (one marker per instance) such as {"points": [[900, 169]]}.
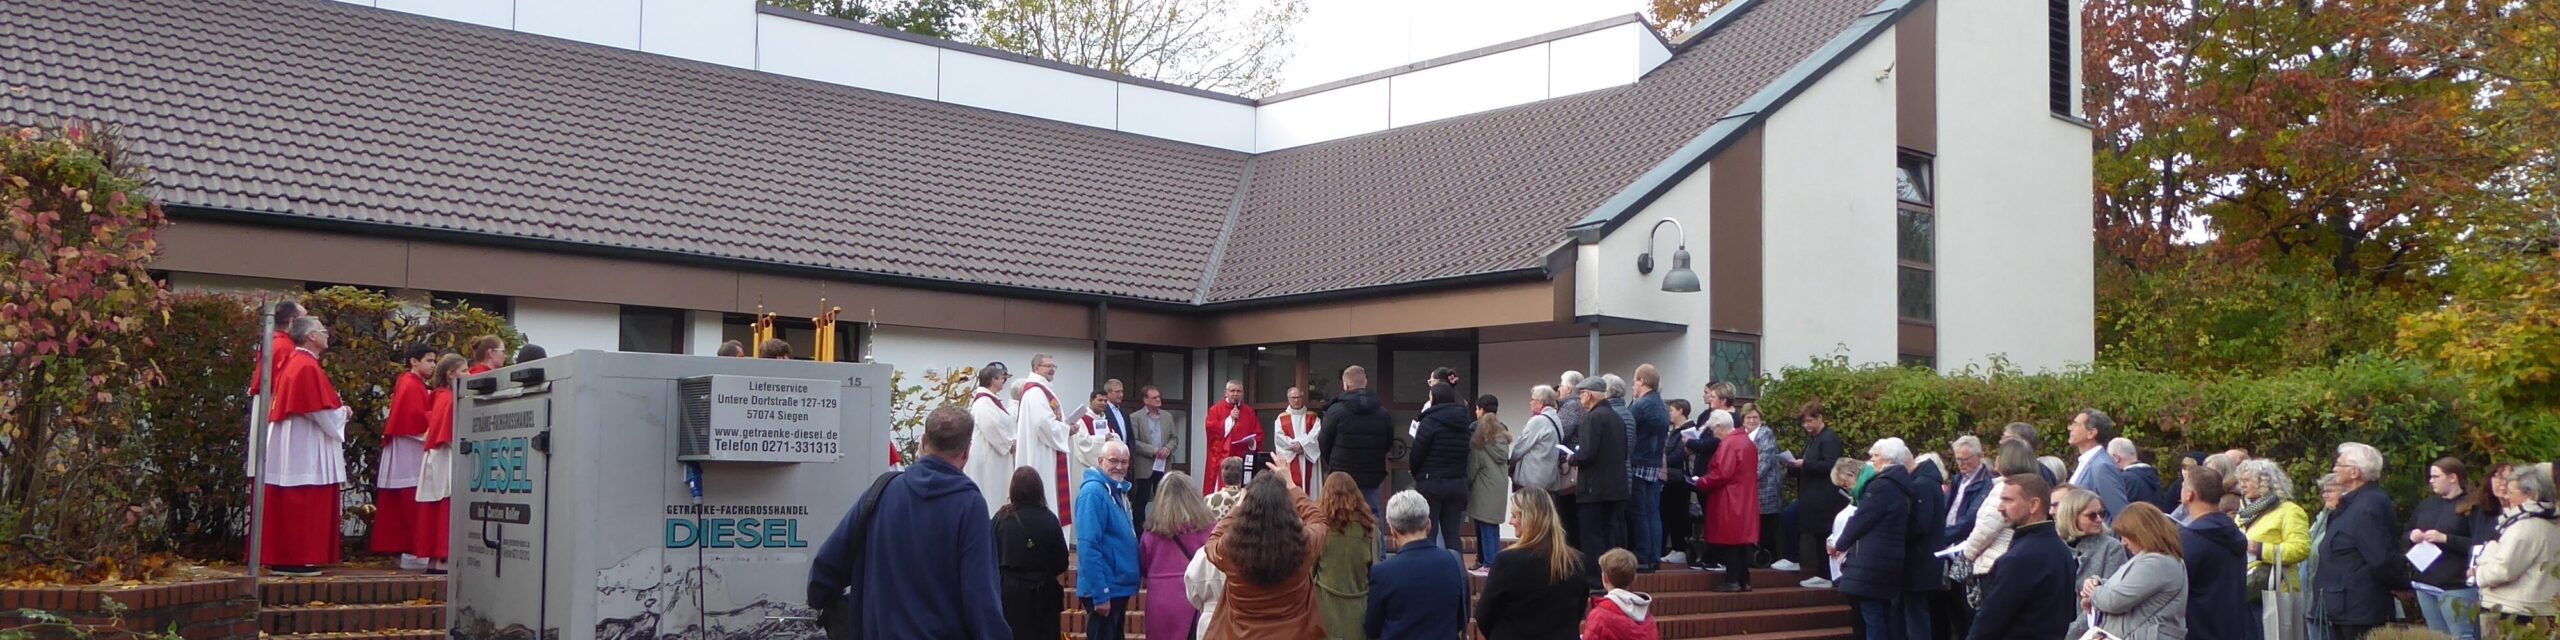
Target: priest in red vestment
{"points": [[395, 477], [435, 475], [1233, 431], [305, 459]]}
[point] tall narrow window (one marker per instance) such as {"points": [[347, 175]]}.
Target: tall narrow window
{"points": [[1736, 359], [1916, 258], [2058, 23]]}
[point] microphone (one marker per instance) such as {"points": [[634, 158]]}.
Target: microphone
{"points": [[693, 480]]}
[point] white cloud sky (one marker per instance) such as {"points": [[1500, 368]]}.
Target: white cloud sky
{"points": [[1345, 38]]}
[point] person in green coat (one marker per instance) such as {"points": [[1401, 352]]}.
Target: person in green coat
{"points": [[1350, 548], [1489, 480]]}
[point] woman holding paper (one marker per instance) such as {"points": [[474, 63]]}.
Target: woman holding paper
{"points": [[2449, 521]]}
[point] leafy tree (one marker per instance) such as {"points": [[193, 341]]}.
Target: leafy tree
{"points": [[946, 19], [76, 307], [1676, 17], [1233, 46]]}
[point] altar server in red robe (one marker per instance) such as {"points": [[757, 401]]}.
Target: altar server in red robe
{"points": [[485, 353], [435, 475], [395, 477], [305, 459], [282, 346]]}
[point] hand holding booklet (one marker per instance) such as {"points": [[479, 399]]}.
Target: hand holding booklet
{"points": [[2424, 554], [1787, 458]]}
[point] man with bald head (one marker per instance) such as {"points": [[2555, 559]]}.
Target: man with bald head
{"points": [[1106, 543]]}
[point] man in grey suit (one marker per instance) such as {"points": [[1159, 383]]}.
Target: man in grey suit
{"points": [[2091, 430], [1151, 443]]}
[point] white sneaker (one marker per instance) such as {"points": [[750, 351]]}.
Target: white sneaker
{"points": [[412, 563], [1676, 557], [1783, 565], [1711, 567], [1815, 583]]}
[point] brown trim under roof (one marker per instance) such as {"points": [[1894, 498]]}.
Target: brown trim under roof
{"points": [[1734, 242], [1464, 308], [1915, 81]]}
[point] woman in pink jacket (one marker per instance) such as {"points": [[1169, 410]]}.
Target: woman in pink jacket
{"points": [[1177, 526]]}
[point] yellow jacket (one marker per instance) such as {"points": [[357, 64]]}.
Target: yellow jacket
{"points": [[2286, 531]]}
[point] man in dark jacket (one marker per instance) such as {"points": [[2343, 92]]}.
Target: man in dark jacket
{"points": [[1644, 466], [1924, 575], [1968, 493], [933, 574], [1420, 592], [2028, 595], [1602, 458], [1357, 433], [2141, 481], [1817, 501], [1876, 539], [2359, 563], [1440, 455], [2217, 560]]}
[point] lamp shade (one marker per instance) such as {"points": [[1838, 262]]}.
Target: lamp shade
{"points": [[1680, 279]]}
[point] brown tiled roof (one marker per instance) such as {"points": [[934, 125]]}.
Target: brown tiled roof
{"points": [[1493, 192], [326, 111]]}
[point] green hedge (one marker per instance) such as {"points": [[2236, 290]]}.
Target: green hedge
{"points": [[2297, 416]]}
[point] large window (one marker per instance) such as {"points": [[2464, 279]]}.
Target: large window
{"points": [[652, 330], [1916, 242], [799, 332], [1736, 359], [1169, 371]]}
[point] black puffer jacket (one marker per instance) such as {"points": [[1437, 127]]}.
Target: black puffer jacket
{"points": [[1356, 437], [1440, 449]]}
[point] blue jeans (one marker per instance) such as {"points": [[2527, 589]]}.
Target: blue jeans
{"points": [[1488, 541], [1378, 510], [2456, 613], [1644, 521], [1881, 618], [1787, 545]]}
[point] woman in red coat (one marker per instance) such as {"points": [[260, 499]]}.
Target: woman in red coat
{"points": [[1732, 494]]}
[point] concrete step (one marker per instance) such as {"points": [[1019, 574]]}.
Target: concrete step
{"points": [[1734, 623]]}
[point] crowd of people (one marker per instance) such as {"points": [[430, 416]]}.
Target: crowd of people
{"points": [[302, 463], [1335, 522]]}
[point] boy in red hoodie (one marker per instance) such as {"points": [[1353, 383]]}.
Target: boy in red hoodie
{"points": [[1620, 614]]}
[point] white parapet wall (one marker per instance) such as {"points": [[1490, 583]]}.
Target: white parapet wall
{"points": [[739, 33]]}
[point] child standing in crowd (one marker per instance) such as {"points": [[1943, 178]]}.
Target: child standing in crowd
{"points": [[1177, 526], [1620, 614]]}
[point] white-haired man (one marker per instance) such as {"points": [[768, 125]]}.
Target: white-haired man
{"points": [[2358, 560], [2141, 481], [1420, 592]]}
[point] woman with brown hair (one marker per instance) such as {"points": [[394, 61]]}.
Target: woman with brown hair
{"points": [[485, 353], [1031, 553], [1267, 547], [2453, 517], [2146, 599], [1489, 471], [1536, 588], [1350, 548]]}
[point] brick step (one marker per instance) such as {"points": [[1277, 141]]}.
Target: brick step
{"points": [[390, 634], [350, 618], [1734, 623], [1684, 579], [1832, 633], [380, 588]]}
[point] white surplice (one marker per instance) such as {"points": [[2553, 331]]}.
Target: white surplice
{"points": [[991, 449], [308, 449], [1040, 434]]}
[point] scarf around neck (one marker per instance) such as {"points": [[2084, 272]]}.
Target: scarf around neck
{"points": [[2250, 510]]}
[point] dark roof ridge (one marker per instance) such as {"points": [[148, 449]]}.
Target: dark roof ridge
{"points": [[1469, 54], [1008, 56], [1218, 252]]}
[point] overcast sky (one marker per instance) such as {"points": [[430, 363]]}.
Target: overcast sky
{"points": [[1344, 38]]}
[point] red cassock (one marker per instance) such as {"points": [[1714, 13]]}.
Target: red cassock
{"points": [[1227, 443], [283, 347], [1733, 498], [435, 518], [301, 521], [395, 510]]}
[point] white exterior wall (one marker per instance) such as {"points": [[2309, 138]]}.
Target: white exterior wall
{"points": [[1165, 114], [1827, 217], [702, 333], [1510, 369], [1040, 92], [562, 326], [612, 23], [1608, 58], [1608, 285], [1340, 113], [819, 52], [721, 32], [2014, 260], [1479, 84]]}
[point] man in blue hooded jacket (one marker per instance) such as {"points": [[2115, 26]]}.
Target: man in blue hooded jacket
{"points": [[932, 574], [2217, 561], [1106, 545]]}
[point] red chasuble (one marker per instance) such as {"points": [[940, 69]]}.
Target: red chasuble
{"points": [[409, 400], [1225, 443], [301, 387]]}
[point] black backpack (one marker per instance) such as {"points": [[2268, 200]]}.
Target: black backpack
{"points": [[842, 620]]}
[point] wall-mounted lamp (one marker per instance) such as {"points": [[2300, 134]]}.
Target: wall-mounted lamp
{"points": [[1680, 279]]}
